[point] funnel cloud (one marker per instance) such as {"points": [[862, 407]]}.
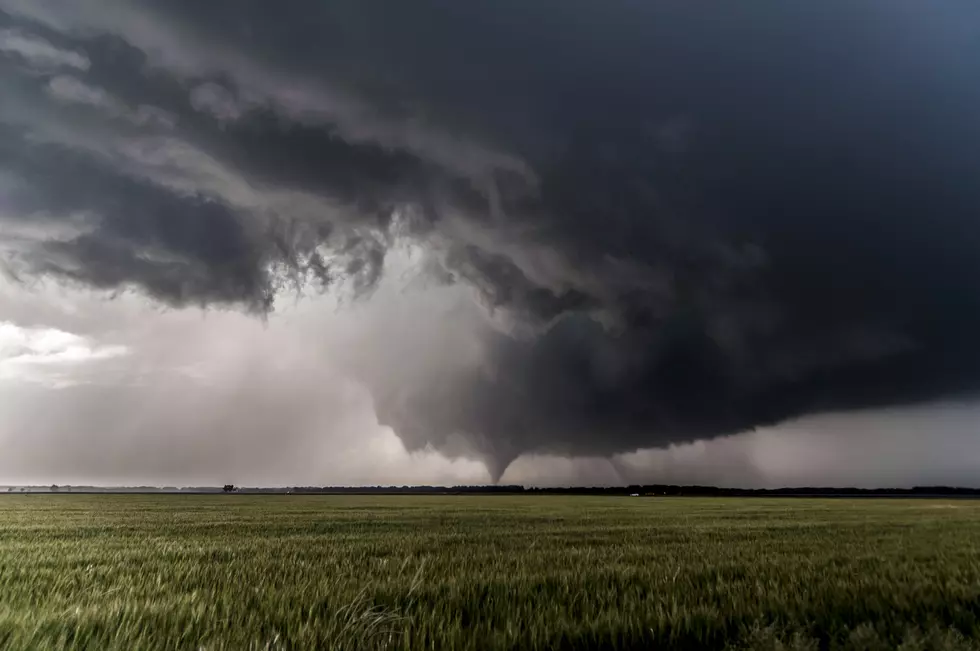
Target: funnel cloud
{"points": [[640, 225]]}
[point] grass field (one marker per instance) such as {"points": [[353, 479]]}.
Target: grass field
{"points": [[125, 572]]}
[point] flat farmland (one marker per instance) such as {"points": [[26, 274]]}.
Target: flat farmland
{"points": [[244, 572]]}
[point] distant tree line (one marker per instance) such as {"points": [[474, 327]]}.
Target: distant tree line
{"points": [[649, 490], [639, 490]]}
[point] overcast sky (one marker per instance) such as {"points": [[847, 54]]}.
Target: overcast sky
{"points": [[116, 390], [369, 242]]}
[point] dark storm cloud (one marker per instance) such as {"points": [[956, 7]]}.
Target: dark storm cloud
{"points": [[685, 222]]}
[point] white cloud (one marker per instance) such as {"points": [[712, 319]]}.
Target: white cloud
{"points": [[70, 89], [19, 233], [39, 53], [73, 90], [48, 356]]}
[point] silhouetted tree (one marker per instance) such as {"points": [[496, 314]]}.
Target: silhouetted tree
{"points": [[229, 488]]}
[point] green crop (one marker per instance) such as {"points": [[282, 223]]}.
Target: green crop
{"points": [[241, 572]]}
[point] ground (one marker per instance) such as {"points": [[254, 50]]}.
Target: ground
{"points": [[238, 572]]}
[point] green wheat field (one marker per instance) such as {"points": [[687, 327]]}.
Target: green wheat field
{"points": [[240, 572]]}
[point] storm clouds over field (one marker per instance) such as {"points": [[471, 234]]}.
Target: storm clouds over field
{"points": [[568, 231]]}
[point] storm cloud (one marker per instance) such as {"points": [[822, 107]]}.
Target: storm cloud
{"points": [[670, 223]]}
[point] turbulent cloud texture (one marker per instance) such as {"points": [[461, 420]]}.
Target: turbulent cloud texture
{"points": [[677, 223]]}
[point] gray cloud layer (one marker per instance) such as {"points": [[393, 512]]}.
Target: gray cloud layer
{"points": [[680, 224]]}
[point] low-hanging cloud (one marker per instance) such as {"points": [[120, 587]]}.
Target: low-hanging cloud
{"points": [[38, 53], [676, 224]]}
